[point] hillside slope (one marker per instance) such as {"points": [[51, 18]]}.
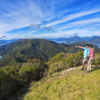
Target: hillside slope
{"points": [[33, 48], [73, 85], [38, 48]]}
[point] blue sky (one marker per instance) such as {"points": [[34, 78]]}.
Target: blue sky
{"points": [[49, 18]]}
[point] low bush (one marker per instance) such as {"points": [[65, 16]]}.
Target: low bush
{"points": [[31, 71], [64, 61], [8, 82], [97, 59], [59, 57], [57, 66], [13, 78], [74, 60]]}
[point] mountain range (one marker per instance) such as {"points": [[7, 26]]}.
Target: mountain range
{"points": [[38, 48], [23, 50], [4, 42], [94, 40], [32, 48]]}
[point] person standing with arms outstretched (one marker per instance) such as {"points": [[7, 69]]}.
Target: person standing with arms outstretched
{"points": [[85, 55], [91, 58]]}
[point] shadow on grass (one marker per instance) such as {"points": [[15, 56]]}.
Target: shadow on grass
{"points": [[96, 68], [19, 95]]}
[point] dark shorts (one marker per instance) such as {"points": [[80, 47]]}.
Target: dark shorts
{"points": [[85, 60]]}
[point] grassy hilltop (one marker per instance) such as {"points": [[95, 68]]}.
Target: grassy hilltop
{"points": [[73, 85], [49, 79]]}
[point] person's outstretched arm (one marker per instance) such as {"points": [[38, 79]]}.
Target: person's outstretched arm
{"points": [[79, 47]]}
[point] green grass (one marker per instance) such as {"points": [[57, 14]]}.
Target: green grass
{"points": [[74, 85]]}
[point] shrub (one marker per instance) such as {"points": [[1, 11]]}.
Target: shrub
{"points": [[11, 71], [66, 61], [74, 59], [13, 78], [57, 66], [28, 72], [97, 59], [8, 82], [32, 71], [58, 57], [34, 60]]}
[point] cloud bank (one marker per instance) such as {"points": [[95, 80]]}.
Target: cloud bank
{"points": [[49, 18]]}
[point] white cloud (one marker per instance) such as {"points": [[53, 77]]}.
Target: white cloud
{"points": [[20, 35], [73, 16], [80, 23], [20, 15], [23, 13], [69, 33]]}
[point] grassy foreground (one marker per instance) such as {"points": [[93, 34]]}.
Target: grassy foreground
{"points": [[73, 85]]}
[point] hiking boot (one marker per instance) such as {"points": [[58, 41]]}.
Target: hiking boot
{"points": [[88, 71]]}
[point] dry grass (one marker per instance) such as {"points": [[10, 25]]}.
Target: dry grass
{"points": [[73, 85]]}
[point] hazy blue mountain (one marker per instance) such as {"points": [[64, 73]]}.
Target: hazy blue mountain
{"points": [[4, 42], [94, 40]]}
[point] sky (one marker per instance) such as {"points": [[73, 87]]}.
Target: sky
{"points": [[49, 18]]}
